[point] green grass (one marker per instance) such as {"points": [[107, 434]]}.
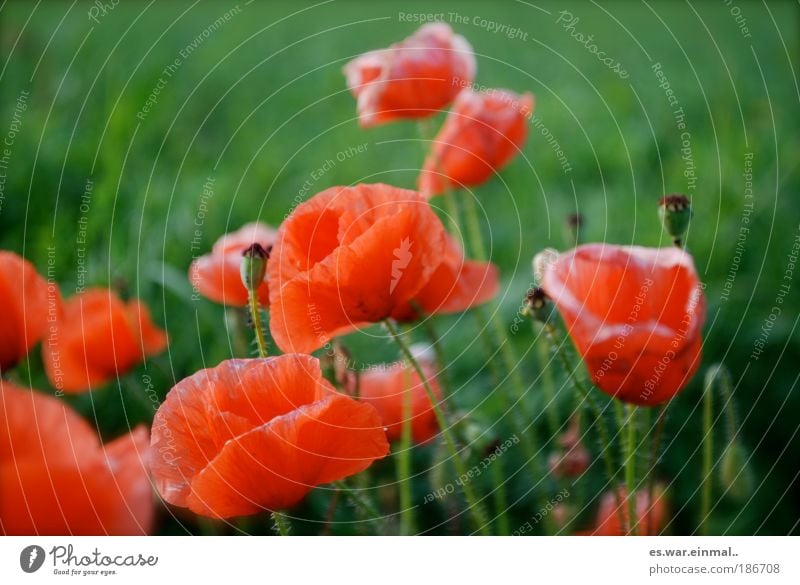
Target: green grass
{"points": [[261, 103]]}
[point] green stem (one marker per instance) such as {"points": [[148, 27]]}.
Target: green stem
{"points": [[497, 329], [281, 522], [361, 501], [599, 421], [630, 467], [258, 326], [548, 384], [403, 465], [436, 345], [474, 505], [500, 499], [708, 455], [655, 448]]}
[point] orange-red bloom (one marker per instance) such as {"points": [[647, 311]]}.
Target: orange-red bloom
{"points": [[98, 338], [483, 133], [411, 79], [258, 434], [352, 256], [57, 479], [635, 315], [650, 517], [217, 275], [388, 388], [24, 299]]}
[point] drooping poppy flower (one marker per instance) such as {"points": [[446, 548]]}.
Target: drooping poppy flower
{"points": [[57, 479], [651, 517], [351, 256], [635, 314], [258, 434], [411, 79], [98, 338], [217, 275], [27, 305], [387, 388], [482, 133]]}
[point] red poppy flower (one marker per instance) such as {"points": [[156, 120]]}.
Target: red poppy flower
{"points": [[634, 314], [386, 389], [258, 434], [482, 133], [57, 479], [650, 517], [26, 308], [412, 79], [99, 337], [456, 285], [217, 275], [351, 256]]}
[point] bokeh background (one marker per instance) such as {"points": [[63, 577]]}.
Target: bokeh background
{"points": [[255, 106]]}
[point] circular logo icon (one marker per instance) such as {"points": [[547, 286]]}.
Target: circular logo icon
{"points": [[31, 558]]}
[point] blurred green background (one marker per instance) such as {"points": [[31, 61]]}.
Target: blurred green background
{"points": [[258, 103]]}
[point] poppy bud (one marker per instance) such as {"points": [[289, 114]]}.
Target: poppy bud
{"points": [[536, 305], [575, 228], [734, 471], [541, 262], [675, 212], [254, 266]]}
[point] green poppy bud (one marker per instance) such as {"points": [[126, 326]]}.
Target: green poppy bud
{"points": [[675, 212], [254, 266]]}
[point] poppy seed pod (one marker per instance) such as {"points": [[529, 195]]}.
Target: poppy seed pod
{"points": [[254, 266], [536, 305], [675, 212]]}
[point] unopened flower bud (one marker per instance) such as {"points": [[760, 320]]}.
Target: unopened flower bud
{"points": [[542, 262], [675, 212], [536, 305], [254, 266], [575, 228], [734, 471]]}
